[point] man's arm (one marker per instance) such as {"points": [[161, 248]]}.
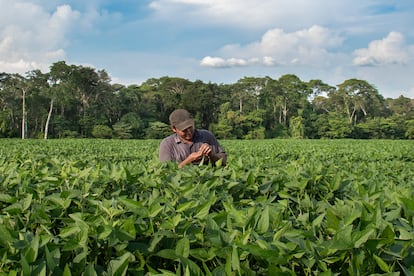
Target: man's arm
{"points": [[195, 156], [165, 151]]}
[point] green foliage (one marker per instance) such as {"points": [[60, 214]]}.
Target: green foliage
{"points": [[297, 128], [122, 130], [295, 207], [72, 99], [409, 134], [157, 130], [102, 131], [135, 124]]}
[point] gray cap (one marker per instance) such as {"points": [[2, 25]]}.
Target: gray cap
{"points": [[181, 119]]}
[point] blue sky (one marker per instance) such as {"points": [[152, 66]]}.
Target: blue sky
{"points": [[219, 41]]}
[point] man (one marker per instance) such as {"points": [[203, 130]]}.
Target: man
{"points": [[189, 145]]}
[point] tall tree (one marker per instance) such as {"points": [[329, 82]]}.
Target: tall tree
{"points": [[59, 89], [36, 104], [401, 106], [294, 96], [8, 107], [17, 87], [358, 99]]}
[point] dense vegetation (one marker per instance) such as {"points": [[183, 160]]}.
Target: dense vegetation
{"points": [[280, 207], [78, 101]]}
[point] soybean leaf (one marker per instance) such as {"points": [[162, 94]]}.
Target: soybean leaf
{"points": [[52, 258], [90, 271], [360, 237], [203, 254], [154, 209], [66, 271], [134, 206], [263, 221], [30, 253], [235, 260], [39, 269], [193, 268], [380, 262], [182, 248], [5, 236], [119, 267], [167, 254]]}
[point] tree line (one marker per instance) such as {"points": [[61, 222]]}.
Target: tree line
{"points": [[78, 101]]}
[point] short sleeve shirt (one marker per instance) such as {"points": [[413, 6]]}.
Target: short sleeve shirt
{"points": [[173, 149]]}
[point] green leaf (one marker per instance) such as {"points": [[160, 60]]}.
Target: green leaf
{"points": [[134, 206], [30, 253], [186, 205], [66, 271], [69, 231], [25, 266], [192, 267], [128, 229], [203, 210], [155, 240], [263, 222], [154, 209], [250, 179], [52, 258], [235, 260], [408, 204], [317, 222], [39, 269], [282, 231], [6, 198], [360, 237], [169, 254], [27, 201], [81, 256], [90, 271], [383, 265], [342, 239], [119, 267], [203, 254], [5, 236], [183, 247]]}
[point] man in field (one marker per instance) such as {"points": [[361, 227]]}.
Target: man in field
{"points": [[188, 145]]}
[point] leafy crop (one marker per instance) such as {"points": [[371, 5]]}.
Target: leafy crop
{"points": [[288, 207]]}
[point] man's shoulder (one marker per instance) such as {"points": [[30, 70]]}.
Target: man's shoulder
{"points": [[202, 131], [204, 134], [171, 139]]}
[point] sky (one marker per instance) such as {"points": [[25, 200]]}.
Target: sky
{"points": [[218, 41]]}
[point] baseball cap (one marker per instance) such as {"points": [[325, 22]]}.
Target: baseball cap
{"points": [[181, 119]]}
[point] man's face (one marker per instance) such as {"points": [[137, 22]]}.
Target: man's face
{"points": [[185, 134]]}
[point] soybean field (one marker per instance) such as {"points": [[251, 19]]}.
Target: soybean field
{"points": [[280, 207]]}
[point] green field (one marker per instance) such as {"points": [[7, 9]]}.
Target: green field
{"points": [[280, 207]]}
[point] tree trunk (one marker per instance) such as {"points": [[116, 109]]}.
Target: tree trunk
{"points": [[49, 114], [285, 111], [240, 105], [24, 125]]}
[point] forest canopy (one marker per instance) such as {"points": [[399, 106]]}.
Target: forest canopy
{"points": [[73, 101]]}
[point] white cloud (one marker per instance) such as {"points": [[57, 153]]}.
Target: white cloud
{"points": [[352, 15], [389, 50], [219, 62], [305, 46], [36, 39]]}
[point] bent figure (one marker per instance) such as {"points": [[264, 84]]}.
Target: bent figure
{"points": [[188, 145]]}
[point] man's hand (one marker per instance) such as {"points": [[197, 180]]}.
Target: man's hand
{"points": [[204, 150]]}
